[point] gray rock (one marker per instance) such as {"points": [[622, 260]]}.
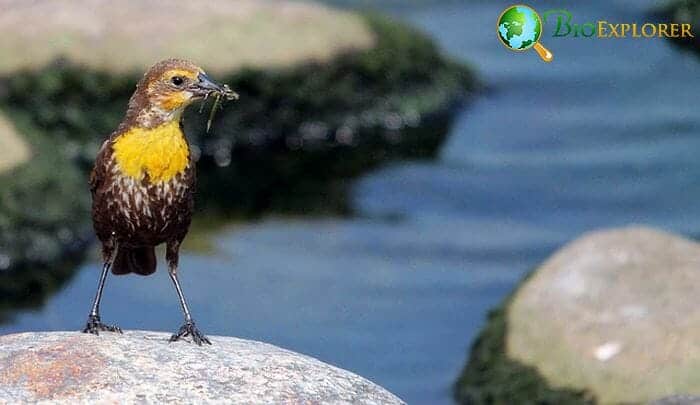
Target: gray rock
{"points": [[616, 312], [72, 367], [222, 36]]}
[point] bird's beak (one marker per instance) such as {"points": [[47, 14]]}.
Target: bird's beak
{"points": [[205, 86]]}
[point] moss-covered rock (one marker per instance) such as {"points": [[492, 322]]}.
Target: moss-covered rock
{"points": [[610, 317], [43, 221], [493, 377]]}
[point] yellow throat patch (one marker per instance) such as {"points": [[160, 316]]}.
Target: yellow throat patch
{"points": [[160, 152]]}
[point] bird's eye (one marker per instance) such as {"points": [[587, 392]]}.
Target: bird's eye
{"points": [[177, 80]]}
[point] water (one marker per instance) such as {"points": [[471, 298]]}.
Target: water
{"points": [[606, 135]]}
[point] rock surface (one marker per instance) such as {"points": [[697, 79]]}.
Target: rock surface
{"points": [[71, 367], [615, 312], [13, 149], [221, 36]]}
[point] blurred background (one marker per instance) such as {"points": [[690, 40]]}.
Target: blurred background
{"points": [[389, 175]]}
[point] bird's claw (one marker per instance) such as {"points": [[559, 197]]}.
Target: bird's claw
{"points": [[94, 325], [188, 329]]}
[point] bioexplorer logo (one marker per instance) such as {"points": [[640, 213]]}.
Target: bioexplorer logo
{"points": [[519, 28]]}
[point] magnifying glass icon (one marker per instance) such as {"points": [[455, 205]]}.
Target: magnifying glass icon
{"points": [[519, 28]]}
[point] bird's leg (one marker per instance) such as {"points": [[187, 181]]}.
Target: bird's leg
{"points": [[94, 324], [188, 328]]}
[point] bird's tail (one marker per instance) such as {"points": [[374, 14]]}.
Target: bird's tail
{"points": [[141, 260]]}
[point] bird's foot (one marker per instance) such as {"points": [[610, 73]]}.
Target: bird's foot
{"points": [[94, 325], [188, 329]]}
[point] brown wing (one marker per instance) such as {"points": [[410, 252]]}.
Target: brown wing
{"points": [[99, 179], [97, 176]]}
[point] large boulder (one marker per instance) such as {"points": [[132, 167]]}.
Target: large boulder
{"points": [[616, 313], [142, 367], [610, 318], [221, 36]]}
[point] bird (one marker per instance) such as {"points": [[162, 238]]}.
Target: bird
{"points": [[143, 183]]}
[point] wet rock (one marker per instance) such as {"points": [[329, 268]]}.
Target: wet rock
{"points": [[71, 367], [614, 312]]}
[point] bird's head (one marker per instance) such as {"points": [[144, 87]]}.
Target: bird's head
{"points": [[166, 89]]}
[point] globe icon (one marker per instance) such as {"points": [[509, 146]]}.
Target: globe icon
{"points": [[519, 28]]}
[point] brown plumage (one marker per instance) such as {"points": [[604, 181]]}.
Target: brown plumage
{"points": [[143, 182]]}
